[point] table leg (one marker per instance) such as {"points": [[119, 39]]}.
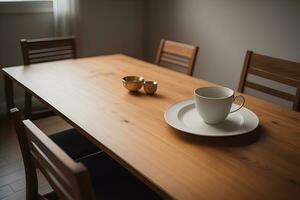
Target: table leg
{"points": [[9, 94], [28, 105]]}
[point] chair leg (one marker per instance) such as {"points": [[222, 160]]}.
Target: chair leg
{"points": [[28, 105], [9, 94], [31, 185], [30, 169]]}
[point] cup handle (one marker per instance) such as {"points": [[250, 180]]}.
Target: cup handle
{"points": [[239, 96]]}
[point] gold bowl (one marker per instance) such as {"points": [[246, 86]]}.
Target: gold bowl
{"points": [[133, 83], [150, 87]]}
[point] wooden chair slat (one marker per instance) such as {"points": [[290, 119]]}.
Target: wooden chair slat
{"points": [[175, 57], [64, 38], [180, 54], [51, 177], [52, 53], [270, 91], [277, 66], [44, 162], [36, 44], [272, 76], [279, 70], [50, 59], [48, 50], [175, 62], [181, 49]]}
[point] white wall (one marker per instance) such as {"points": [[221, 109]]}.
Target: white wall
{"points": [[111, 26], [224, 30], [17, 22]]}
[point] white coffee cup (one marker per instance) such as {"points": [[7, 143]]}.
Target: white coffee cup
{"points": [[214, 103]]}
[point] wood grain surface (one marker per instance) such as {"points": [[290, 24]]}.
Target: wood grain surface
{"points": [[88, 93]]}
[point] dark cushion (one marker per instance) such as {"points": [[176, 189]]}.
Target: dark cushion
{"points": [[112, 181], [74, 144]]}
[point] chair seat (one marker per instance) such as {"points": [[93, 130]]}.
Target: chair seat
{"points": [[74, 144], [112, 181]]}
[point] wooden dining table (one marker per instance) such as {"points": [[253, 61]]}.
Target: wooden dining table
{"points": [[130, 127]]}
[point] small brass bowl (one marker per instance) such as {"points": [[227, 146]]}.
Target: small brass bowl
{"points": [[150, 87], [133, 83]]}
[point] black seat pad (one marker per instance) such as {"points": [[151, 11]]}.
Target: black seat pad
{"points": [[74, 144], [112, 181]]}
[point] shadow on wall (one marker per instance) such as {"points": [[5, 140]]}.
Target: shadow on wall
{"points": [[224, 30]]}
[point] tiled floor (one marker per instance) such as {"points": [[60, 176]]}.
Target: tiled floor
{"points": [[12, 174]]}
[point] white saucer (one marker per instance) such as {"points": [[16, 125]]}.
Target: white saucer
{"points": [[184, 117]]}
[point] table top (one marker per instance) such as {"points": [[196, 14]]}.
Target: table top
{"points": [[88, 93]]}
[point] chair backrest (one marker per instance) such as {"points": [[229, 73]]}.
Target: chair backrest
{"points": [[48, 49], [282, 71], [69, 180], [177, 56]]}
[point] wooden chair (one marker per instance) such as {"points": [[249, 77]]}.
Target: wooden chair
{"points": [[177, 56], [45, 50], [95, 177], [48, 49], [274, 69], [73, 143]]}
